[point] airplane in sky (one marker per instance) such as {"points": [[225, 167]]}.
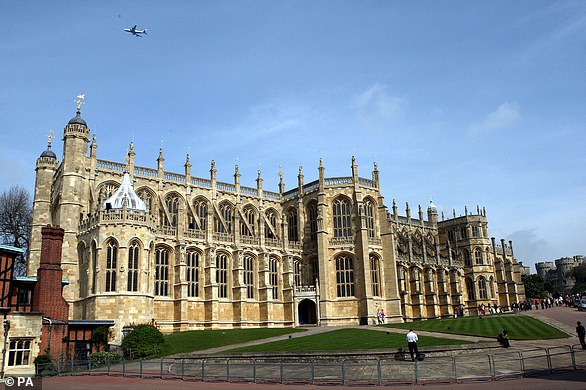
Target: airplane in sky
{"points": [[136, 32]]}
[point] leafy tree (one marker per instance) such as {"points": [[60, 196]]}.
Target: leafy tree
{"points": [[144, 340], [535, 287], [16, 215], [579, 275]]}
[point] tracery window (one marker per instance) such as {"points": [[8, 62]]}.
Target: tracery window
{"points": [[274, 276], [467, 259], [341, 213], [297, 272], [470, 289], [172, 206], [475, 231], [344, 276], [292, 225], [478, 256], [147, 198], [375, 275], [222, 275], [226, 215], [249, 276], [482, 291], [161, 272], [192, 274], [200, 208], [133, 256], [111, 265], [271, 225], [312, 212], [249, 216], [369, 211]]}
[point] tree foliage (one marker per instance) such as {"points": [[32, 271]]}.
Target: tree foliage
{"points": [[144, 340], [535, 287], [16, 215], [579, 275]]}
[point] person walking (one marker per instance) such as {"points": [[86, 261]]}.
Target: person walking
{"points": [[581, 334], [412, 344]]}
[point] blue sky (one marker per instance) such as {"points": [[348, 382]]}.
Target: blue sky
{"points": [[473, 103]]}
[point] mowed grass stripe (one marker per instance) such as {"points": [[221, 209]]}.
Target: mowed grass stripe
{"points": [[197, 340], [519, 327], [349, 339]]}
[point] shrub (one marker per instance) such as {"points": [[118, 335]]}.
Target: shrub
{"points": [[99, 359], [143, 341], [44, 366]]}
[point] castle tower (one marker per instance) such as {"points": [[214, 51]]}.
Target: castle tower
{"points": [[45, 169], [70, 192]]}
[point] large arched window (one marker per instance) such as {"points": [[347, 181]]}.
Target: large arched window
{"points": [[274, 276], [147, 198], [271, 230], [133, 256], [470, 289], [312, 212], [249, 276], [478, 256], [369, 211], [467, 259], [342, 226], [345, 276], [200, 208], [222, 275], [375, 276], [297, 272], [172, 206], [247, 225], [111, 265], [224, 221], [292, 225], [192, 272], [482, 291], [161, 272]]}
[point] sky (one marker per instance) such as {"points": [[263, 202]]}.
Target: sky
{"points": [[470, 103]]}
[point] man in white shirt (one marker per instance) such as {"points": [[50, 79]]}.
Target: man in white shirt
{"points": [[412, 343]]}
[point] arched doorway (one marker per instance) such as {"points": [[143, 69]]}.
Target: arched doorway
{"points": [[307, 312]]}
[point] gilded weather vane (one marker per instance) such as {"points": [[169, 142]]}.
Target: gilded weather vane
{"points": [[50, 137], [80, 101]]}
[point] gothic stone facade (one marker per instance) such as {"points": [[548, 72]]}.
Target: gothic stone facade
{"points": [[210, 254]]}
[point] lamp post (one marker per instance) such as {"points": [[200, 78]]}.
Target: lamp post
{"points": [[6, 329]]}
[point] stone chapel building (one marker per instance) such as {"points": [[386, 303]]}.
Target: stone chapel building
{"points": [[196, 253]]}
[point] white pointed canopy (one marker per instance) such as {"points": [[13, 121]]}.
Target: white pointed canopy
{"points": [[125, 197]]}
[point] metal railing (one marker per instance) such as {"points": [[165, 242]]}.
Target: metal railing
{"points": [[384, 369]]}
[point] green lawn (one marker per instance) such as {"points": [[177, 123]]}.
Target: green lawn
{"points": [[519, 327], [345, 340], [197, 340]]}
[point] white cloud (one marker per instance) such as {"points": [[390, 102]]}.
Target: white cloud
{"points": [[504, 116], [375, 107]]}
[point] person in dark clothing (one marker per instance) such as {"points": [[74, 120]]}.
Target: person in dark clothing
{"points": [[581, 333], [503, 339]]}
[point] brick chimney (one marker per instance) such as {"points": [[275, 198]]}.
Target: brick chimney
{"points": [[48, 295]]}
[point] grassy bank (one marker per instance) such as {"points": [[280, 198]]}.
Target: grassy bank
{"points": [[348, 339], [520, 327], [198, 340]]}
